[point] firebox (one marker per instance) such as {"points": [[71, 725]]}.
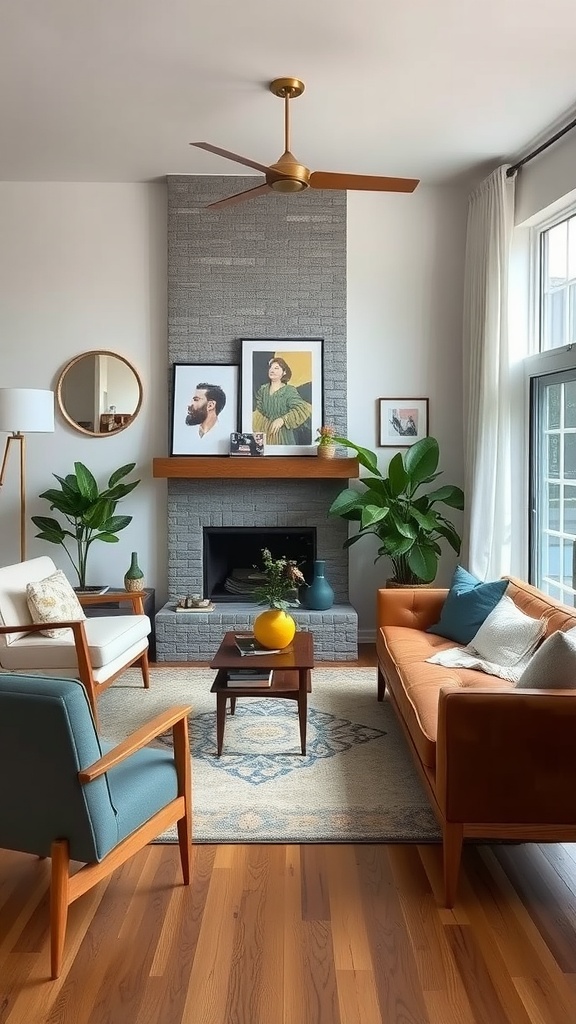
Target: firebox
{"points": [[232, 556]]}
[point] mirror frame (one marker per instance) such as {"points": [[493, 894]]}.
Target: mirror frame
{"points": [[68, 366]]}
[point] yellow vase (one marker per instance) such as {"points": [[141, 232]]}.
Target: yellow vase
{"points": [[274, 628]]}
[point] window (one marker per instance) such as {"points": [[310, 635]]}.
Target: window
{"points": [[557, 292], [552, 377], [553, 414]]}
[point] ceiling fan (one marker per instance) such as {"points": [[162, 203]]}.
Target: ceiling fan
{"points": [[287, 175]]}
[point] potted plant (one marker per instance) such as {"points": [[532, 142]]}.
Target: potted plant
{"points": [[281, 578], [326, 446], [88, 512], [405, 519]]}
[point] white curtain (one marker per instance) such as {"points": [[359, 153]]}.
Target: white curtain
{"points": [[487, 378]]}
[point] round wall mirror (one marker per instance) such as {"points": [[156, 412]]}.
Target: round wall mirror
{"points": [[99, 393]]}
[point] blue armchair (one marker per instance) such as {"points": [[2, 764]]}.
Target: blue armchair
{"points": [[72, 797]]}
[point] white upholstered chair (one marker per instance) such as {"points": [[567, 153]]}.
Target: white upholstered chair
{"points": [[94, 650]]}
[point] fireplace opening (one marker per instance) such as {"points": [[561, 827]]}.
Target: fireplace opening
{"points": [[233, 555]]}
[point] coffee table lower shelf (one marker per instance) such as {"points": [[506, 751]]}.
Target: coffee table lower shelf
{"points": [[285, 683]]}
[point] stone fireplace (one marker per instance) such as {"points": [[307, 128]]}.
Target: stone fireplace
{"points": [[272, 267]]}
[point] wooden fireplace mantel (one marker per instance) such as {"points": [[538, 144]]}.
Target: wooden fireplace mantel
{"points": [[221, 467]]}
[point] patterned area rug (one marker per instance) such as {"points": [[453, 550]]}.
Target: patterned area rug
{"points": [[356, 783]]}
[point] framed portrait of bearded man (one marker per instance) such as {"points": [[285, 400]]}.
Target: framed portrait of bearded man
{"points": [[204, 408]]}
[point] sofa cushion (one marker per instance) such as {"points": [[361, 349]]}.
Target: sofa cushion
{"points": [[467, 605], [108, 637], [507, 635], [553, 667], [415, 683], [52, 599]]}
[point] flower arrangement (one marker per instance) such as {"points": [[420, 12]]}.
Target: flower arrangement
{"points": [[325, 436], [282, 577]]}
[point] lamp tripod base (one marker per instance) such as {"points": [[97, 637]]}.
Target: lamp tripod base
{"points": [[21, 439]]}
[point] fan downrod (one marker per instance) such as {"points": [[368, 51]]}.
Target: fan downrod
{"points": [[283, 87]]}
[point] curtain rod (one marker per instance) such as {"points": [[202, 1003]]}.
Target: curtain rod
{"points": [[516, 167]]}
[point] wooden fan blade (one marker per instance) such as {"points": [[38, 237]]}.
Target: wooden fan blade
{"points": [[232, 156], [363, 182], [239, 197]]}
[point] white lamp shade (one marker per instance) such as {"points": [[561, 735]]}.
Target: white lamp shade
{"points": [[26, 410]]}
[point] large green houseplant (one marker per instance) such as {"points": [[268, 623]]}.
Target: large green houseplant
{"points": [[404, 518], [88, 511]]}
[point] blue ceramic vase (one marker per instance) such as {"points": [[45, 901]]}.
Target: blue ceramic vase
{"points": [[319, 595]]}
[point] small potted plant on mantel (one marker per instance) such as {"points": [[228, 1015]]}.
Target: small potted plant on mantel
{"points": [[326, 446]]}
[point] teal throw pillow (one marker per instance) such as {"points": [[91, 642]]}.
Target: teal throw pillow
{"points": [[468, 604]]}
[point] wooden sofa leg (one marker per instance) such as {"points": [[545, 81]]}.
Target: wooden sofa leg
{"points": [[381, 684], [60, 853], [453, 835]]}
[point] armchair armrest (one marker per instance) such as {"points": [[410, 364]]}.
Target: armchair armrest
{"points": [[138, 739], [80, 639], [507, 756], [414, 607], [135, 599]]}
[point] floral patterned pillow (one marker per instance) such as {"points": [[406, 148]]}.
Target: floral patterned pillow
{"points": [[53, 600]]}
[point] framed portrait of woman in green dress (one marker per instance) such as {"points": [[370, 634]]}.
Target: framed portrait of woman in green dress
{"points": [[281, 392]]}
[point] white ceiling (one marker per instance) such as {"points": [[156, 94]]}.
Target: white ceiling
{"points": [[114, 90]]}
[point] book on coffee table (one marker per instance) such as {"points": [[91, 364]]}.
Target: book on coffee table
{"points": [[248, 677], [248, 644]]}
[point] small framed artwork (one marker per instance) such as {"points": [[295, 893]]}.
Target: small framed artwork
{"points": [[281, 394], [204, 408], [401, 421]]}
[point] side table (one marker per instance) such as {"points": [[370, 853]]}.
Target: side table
{"points": [[115, 608], [291, 679]]}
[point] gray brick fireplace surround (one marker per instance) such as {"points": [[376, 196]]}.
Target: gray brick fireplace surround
{"points": [[273, 267]]}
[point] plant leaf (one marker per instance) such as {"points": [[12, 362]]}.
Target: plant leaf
{"points": [[425, 521], [347, 502], [119, 473], [373, 514], [397, 475], [423, 561], [86, 483], [109, 538], [116, 523], [450, 495], [446, 530], [404, 529], [120, 490], [421, 460], [98, 513], [366, 458]]}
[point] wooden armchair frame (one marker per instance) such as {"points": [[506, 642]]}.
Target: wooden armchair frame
{"points": [[65, 888], [85, 670]]}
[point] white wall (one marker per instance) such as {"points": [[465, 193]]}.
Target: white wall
{"points": [[405, 281], [82, 267]]}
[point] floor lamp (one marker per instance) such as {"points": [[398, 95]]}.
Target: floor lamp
{"points": [[24, 411]]}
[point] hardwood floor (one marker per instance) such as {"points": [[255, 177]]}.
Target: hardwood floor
{"points": [[326, 934]]}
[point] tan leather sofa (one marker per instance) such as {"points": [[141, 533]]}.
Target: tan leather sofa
{"points": [[497, 762]]}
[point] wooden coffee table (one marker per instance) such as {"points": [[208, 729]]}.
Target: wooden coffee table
{"points": [[291, 679]]}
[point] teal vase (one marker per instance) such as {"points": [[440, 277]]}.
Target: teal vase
{"points": [[134, 578], [319, 596]]}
